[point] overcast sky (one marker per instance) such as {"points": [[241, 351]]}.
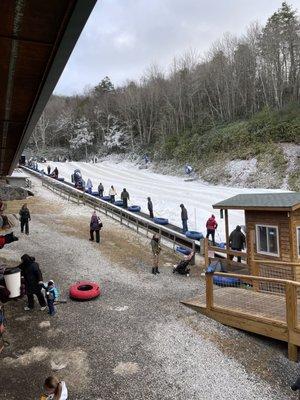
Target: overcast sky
{"points": [[124, 37]]}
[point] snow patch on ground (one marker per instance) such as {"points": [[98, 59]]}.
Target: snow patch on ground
{"points": [[240, 171]]}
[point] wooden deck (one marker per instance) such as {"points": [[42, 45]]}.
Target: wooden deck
{"points": [[275, 315]]}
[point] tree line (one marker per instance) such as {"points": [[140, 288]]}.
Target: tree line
{"points": [[237, 78]]}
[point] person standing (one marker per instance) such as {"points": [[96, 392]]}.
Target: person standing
{"points": [[89, 186], [55, 173], [125, 198], [156, 249], [48, 169], [95, 226], [112, 194], [33, 278], [51, 296], [184, 218], [100, 189], [150, 207], [237, 241], [211, 226], [24, 218]]}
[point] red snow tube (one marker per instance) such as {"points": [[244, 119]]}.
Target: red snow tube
{"points": [[84, 290]]}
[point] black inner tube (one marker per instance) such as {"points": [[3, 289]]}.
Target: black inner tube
{"points": [[85, 288]]}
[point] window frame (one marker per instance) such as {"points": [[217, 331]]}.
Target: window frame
{"points": [[298, 240], [267, 253]]}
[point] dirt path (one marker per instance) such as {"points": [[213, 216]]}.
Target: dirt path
{"points": [[134, 342]]}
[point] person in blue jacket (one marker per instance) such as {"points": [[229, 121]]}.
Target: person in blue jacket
{"points": [[51, 295]]}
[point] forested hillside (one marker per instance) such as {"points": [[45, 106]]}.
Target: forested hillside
{"points": [[239, 102]]}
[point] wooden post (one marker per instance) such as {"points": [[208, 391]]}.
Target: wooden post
{"points": [[291, 317], [227, 234], [206, 252], [209, 290]]}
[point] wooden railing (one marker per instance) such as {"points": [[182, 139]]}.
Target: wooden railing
{"points": [[254, 309]]}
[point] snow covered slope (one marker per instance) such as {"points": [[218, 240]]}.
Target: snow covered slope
{"points": [[166, 192]]}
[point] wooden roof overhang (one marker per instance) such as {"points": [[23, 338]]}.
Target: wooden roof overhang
{"points": [[36, 40]]}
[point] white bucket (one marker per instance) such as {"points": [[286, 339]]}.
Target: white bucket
{"points": [[12, 279]]}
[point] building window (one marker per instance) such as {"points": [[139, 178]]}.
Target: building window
{"points": [[298, 240], [267, 239]]}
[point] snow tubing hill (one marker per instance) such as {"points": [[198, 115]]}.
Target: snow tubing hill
{"points": [[134, 208], [194, 235], [161, 221], [183, 250], [84, 290], [223, 281]]}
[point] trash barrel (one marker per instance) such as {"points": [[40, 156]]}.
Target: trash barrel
{"points": [[12, 279]]}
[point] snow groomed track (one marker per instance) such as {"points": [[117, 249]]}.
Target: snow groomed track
{"points": [[139, 221]]}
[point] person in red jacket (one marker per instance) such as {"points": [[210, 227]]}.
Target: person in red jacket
{"points": [[211, 226]]}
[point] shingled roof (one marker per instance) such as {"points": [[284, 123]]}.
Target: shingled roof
{"points": [[262, 201]]}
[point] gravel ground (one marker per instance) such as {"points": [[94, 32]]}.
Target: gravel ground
{"points": [[135, 341]]}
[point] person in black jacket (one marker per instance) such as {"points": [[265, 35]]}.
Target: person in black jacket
{"points": [[24, 218], [150, 207], [184, 218], [125, 198], [33, 278], [237, 241]]}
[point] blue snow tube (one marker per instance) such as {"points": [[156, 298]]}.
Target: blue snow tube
{"points": [[194, 235], [134, 208], [61, 179], [161, 221], [106, 198], [119, 203], [224, 281], [96, 194], [222, 245], [183, 250]]}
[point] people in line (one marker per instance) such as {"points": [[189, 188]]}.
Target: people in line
{"points": [[24, 218], [48, 170], [100, 189], [54, 389], [112, 193], [237, 241], [95, 226], [55, 173], [150, 207], [125, 198], [89, 186], [51, 296], [156, 249], [211, 226], [33, 279], [182, 267], [184, 218]]}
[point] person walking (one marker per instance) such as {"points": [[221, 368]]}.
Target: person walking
{"points": [[112, 194], [33, 278], [150, 207], [89, 186], [184, 218], [211, 226], [24, 218], [156, 249], [48, 169], [95, 226], [125, 198], [100, 189], [237, 241]]}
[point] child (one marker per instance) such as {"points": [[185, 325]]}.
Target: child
{"points": [[51, 296], [54, 389], [181, 268]]}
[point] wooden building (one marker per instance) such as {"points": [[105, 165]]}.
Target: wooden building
{"points": [[272, 222]]}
